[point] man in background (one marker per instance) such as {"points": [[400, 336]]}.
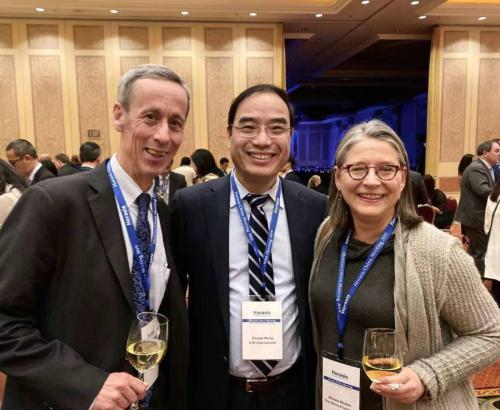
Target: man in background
{"points": [[63, 165], [224, 165], [90, 155], [289, 173], [186, 170], [23, 157], [167, 183]]}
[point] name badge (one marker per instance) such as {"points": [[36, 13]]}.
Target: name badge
{"points": [[262, 330], [340, 383]]}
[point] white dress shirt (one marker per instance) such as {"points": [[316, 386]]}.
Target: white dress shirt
{"points": [[283, 282], [160, 271], [33, 172]]}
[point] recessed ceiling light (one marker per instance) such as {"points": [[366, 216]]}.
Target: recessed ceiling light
{"points": [[422, 17], [40, 9], [113, 11], [365, 2], [252, 14], [318, 15], [415, 3], [185, 13], [482, 18]]}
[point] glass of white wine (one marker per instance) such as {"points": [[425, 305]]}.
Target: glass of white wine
{"points": [[147, 343], [381, 355]]}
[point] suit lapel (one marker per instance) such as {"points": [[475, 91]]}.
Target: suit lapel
{"points": [[217, 217], [103, 207]]}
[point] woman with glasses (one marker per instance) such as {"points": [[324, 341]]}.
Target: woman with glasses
{"points": [[12, 185], [377, 265]]}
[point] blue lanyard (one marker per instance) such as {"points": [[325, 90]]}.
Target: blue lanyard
{"points": [[132, 234], [263, 261], [343, 308]]}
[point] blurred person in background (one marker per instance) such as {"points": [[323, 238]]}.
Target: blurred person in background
{"points": [[205, 166], [12, 185], [437, 199], [90, 155], [63, 165], [23, 157], [186, 170], [315, 184]]}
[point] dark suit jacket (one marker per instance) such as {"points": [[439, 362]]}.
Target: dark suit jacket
{"points": [[66, 298], [175, 182], [201, 221], [66, 170], [42, 174], [292, 176], [475, 187]]}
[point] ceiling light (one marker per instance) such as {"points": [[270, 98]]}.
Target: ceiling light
{"points": [[318, 15], [40, 9], [415, 3], [252, 14], [365, 2], [185, 13], [422, 17], [482, 18], [113, 11]]}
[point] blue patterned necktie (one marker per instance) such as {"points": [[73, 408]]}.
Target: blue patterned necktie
{"points": [[260, 287]]}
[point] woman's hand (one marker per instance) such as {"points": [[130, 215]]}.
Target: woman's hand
{"points": [[405, 387]]}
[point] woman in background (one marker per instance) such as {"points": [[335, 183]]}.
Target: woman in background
{"points": [[437, 199], [12, 185], [421, 282], [492, 229], [315, 184], [204, 165]]}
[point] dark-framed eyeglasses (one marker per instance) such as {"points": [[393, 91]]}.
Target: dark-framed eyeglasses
{"points": [[13, 162], [272, 131], [384, 172]]}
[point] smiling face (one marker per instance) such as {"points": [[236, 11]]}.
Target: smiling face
{"points": [[372, 201], [151, 129], [259, 159]]}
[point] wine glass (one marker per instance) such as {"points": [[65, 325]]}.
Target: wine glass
{"points": [[381, 355], [147, 343]]}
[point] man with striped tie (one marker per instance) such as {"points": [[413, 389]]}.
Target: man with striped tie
{"points": [[245, 249]]}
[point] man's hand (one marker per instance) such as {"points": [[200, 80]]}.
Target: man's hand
{"points": [[118, 392], [405, 387]]}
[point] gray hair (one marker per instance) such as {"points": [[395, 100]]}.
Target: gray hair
{"points": [[340, 214], [22, 147], [152, 71]]}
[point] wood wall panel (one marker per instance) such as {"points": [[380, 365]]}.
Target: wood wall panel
{"points": [[490, 42], [220, 92], [6, 36], [453, 112], [260, 70], [218, 39], [9, 115], [92, 99], [48, 114], [126, 63], [88, 37], [260, 39], [133, 38], [176, 38], [456, 41], [488, 108], [449, 184], [43, 36], [183, 66]]}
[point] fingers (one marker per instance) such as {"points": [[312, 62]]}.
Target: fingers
{"points": [[119, 391], [405, 387]]}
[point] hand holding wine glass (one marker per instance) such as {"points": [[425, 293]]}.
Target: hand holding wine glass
{"points": [[147, 343]]}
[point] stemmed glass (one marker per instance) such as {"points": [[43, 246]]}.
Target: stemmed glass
{"points": [[147, 343], [381, 355]]}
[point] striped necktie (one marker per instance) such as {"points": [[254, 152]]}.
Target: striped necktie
{"points": [[260, 286]]}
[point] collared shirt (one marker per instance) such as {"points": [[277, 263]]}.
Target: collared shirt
{"points": [[33, 172], [188, 173], [163, 188], [160, 271], [490, 169], [283, 282]]}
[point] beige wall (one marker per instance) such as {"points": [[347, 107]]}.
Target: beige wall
{"points": [[464, 97], [58, 77]]}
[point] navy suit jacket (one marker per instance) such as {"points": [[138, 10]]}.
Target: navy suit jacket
{"points": [[201, 227], [66, 298]]}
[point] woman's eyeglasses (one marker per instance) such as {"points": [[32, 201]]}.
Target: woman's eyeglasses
{"points": [[385, 172]]}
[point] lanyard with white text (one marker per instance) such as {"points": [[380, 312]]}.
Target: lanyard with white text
{"points": [[132, 234], [263, 261], [343, 308]]}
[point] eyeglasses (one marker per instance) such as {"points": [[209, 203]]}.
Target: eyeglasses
{"points": [[272, 131], [13, 162], [385, 172]]}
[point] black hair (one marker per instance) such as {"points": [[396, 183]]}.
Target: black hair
{"points": [[464, 163], [205, 163], [185, 161], [89, 151], [63, 158], [8, 175], [223, 160]]}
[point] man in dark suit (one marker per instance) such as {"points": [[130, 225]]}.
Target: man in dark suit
{"points": [[63, 165], [90, 155], [476, 185], [289, 173], [23, 157], [66, 306], [226, 276], [167, 183]]}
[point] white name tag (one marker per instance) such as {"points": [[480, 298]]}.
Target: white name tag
{"points": [[262, 330], [340, 383]]}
